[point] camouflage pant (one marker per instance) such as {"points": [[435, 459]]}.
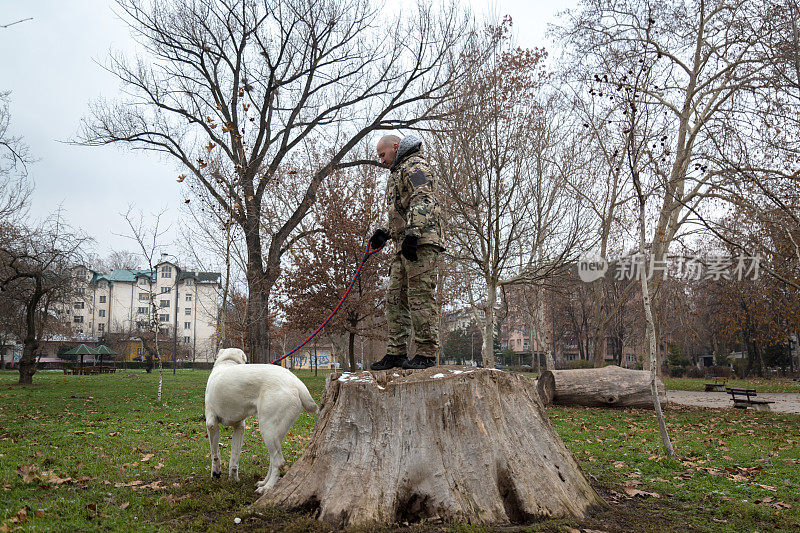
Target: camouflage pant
{"points": [[411, 299]]}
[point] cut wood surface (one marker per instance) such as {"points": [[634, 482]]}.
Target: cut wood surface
{"points": [[609, 386], [448, 443]]}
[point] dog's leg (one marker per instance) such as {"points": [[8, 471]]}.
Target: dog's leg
{"points": [[273, 424], [236, 450], [213, 438]]}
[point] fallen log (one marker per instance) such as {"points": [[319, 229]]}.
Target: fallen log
{"points": [[610, 386], [442, 444]]}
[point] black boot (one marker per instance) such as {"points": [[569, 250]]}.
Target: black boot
{"points": [[419, 362], [389, 361]]}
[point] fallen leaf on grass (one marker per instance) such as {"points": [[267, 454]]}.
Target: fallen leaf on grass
{"points": [[4, 528], [155, 485], [38, 513], [619, 464], [56, 480], [28, 473], [22, 515], [767, 487], [131, 484], [146, 457], [114, 434], [633, 492], [125, 505], [159, 466], [171, 499]]}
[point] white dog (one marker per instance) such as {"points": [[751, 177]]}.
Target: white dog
{"points": [[236, 391]]}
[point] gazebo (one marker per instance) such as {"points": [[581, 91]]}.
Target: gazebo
{"points": [[81, 350], [105, 350]]}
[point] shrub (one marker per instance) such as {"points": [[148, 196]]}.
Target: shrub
{"points": [[580, 363], [677, 371], [720, 371], [693, 372]]}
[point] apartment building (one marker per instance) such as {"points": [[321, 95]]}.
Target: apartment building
{"points": [[186, 303]]}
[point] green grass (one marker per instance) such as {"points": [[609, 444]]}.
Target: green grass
{"points": [[97, 452]]}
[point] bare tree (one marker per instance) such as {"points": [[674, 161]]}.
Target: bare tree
{"points": [[233, 91], [148, 238], [35, 276], [15, 189], [503, 162], [692, 62]]}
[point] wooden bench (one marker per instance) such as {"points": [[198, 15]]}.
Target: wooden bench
{"points": [[718, 385], [743, 398]]}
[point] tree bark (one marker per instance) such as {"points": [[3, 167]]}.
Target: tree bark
{"points": [[610, 386], [27, 363], [447, 443]]}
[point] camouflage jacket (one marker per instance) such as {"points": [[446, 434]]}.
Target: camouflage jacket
{"points": [[410, 196]]}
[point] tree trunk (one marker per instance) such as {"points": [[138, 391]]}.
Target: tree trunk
{"points": [[258, 339], [259, 285], [351, 350], [446, 443], [27, 363], [487, 350], [610, 386]]}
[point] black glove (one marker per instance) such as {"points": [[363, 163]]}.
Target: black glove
{"points": [[378, 239], [409, 248]]}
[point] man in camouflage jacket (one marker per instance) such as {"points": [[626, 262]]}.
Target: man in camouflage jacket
{"points": [[414, 226]]}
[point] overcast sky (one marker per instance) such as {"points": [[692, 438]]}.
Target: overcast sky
{"points": [[52, 66]]}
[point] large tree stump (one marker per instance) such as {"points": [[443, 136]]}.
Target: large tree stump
{"points": [[610, 386], [446, 443]]}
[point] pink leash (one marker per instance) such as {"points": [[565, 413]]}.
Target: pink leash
{"points": [[367, 253]]}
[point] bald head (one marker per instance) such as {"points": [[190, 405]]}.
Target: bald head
{"points": [[387, 149]]}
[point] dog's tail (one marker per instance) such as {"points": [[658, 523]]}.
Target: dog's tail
{"points": [[305, 398]]}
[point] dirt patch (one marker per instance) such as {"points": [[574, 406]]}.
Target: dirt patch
{"points": [[785, 402]]}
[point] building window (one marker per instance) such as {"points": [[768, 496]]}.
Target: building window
{"points": [[187, 325], [189, 282], [186, 340], [166, 271], [81, 272], [163, 318], [78, 305], [138, 351], [101, 312], [142, 281], [77, 319], [166, 290], [143, 297], [80, 291], [101, 328], [188, 311], [188, 297], [102, 299], [163, 303], [143, 311]]}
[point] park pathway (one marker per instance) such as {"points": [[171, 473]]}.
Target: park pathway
{"points": [[785, 402]]}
